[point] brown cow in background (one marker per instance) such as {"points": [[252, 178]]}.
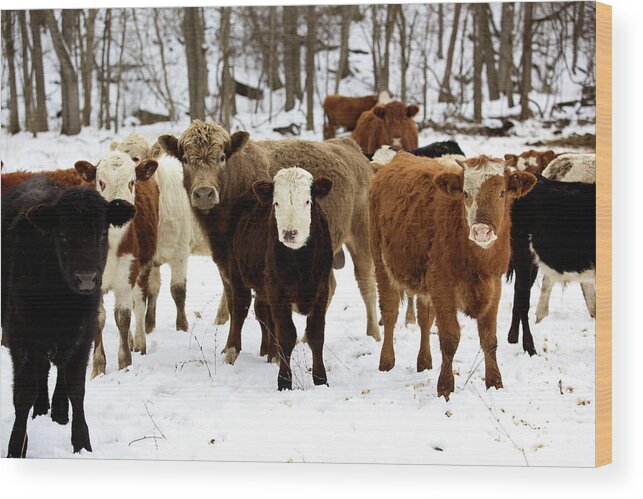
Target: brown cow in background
{"points": [[387, 124], [530, 161], [340, 111]]}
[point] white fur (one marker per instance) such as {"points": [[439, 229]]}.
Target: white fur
{"points": [[292, 202], [384, 97], [116, 177], [473, 180], [383, 156], [522, 164], [572, 168]]}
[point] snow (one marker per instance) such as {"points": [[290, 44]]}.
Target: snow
{"points": [[181, 401]]}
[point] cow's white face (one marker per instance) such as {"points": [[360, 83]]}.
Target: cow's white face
{"points": [[523, 164], [292, 201], [116, 177]]}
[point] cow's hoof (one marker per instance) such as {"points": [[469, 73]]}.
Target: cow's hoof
{"points": [[284, 383], [60, 416], [231, 355], [512, 337], [494, 382], [424, 363], [80, 439], [374, 332], [181, 324], [40, 407], [150, 324], [124, 360], [446, 386], [386, 363]]}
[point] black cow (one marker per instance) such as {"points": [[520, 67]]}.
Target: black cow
{"points": [[554, 229], [434, 150], [54, 249]]}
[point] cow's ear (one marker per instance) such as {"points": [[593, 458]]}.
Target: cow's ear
{"points": [[170, 144], [237, 141], [450, 184], [412, 110], [520, 183], [42, 217], [86, 170], [263, 190], [119, 212], [379, 111], [510, 158], [321, 187], [114, 145], [145, 169]]}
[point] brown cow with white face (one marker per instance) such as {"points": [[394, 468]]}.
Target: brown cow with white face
{"points": [[443, 233], [387, 124], [530, 161]]}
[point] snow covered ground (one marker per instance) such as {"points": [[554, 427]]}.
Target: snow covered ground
{"points": [[180, 401]]}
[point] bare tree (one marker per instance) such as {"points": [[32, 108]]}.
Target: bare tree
{"points": [[445, 88], [227, 82], [166, 83], [88, 64], [193, 33], [478, 50], [526, 61], [69, 79], [506, 66], [27, 75], [311, 40], [292, 55], [440, 30], [119, 67], [486, 42], [348, 12], [10, 53], [104, 73], [40, 109]]}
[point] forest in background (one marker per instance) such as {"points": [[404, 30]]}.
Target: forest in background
{"points": [[68, 69]]}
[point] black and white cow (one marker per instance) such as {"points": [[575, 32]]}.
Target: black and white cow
{"points": [[553, 230]]}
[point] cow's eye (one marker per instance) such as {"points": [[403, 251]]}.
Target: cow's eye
{"points": [[184, 160], [466, 195], [307, 203], [502, 194], [135, 159], [222, 158], [101, 184], [276, 204], [131, 185]]}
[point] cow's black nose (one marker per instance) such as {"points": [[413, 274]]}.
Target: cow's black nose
{"points": [[86, 280], [203, 193], [289, 235]]}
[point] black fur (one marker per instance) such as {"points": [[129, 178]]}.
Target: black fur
{"points": [[50, 236], [434, 150], [559, 220]]}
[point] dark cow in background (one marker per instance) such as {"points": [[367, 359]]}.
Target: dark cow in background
{"points": [[54, 249], [341, 111], [282, 248], [442, 233], [530, 161], [433, 150], [67, 177], [553, 230], [390, 124]]}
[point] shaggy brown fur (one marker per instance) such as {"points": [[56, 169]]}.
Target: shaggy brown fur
{"points": [[420, 243], [531, 161], [201, 148], [67, 177], [346, 206], [389, 124], [340, 111]]}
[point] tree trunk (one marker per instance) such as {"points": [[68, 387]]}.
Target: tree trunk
{"points": [[505, 68], [525, 80], [445, 88], [342, 67], [88, 65], [388, 34], [291, 49], [311, 39], [40, 110], [487, 50], [117, 115], [578, 33], [27, 74], [227, 82], [376, 49], [69, 79], [166, 83], [193, 33], [478, 50], [266, 46], [10, 53], [104, 115], [440, 30]]}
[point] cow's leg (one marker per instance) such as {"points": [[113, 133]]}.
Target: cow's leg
{"points": [[359, 248], [332, 285], [223, 312], [542, 310], [527, 338], [98, 363], [409, 318], [389, 304], [75, 383], [589, 292], [525, 275], [140, 340], [60, 400], [315, 325], [178, 285], [262, 313], [41, 405], [240, 303], [426, 316], [24, 396], [286, 337], [488, 339], [153, 290], [449, 334], [123, 318]]}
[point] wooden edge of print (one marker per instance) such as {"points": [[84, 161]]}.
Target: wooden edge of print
{"points": [[604, 234]]}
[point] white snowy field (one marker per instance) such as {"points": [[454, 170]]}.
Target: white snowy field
{"points": [[181, 401]]}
